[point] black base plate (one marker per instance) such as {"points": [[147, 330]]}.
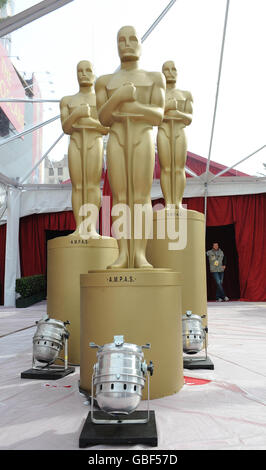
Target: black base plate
{"points": [[53, 373], [119, 434], [193, 363]]}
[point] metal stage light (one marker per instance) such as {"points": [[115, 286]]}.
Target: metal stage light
{"points": [[194, 340], [118, 379], [50, 338]]}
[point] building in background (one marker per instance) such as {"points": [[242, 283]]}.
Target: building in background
{"points": [[56, 172], [19, 156], [7, 10]]}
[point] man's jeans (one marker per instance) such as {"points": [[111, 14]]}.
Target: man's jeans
{"points": [[219, 277]]}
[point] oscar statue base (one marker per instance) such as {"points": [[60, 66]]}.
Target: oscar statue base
{"points": [[189, 259], [51, 373], [143, 305], [119, 434], [198, 363], [68, 257]]}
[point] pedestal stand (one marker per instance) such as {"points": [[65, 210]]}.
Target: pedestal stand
{"points": [[190, 261], [144, 305], [68, 257]]}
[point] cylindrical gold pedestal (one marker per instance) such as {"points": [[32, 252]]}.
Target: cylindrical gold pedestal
{"points": [[145, 307], [67, 258], [189, 261]]}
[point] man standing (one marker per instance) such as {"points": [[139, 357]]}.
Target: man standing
{"points": [[217, 266], [130, 102]]}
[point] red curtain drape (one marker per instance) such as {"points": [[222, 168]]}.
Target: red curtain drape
{"points": [[33, 239], [247, 213]]}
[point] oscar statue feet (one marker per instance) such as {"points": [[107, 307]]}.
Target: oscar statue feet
{"points": [[91, 234], [121, 262], [79, 233], [75, 234], [141, 262]]}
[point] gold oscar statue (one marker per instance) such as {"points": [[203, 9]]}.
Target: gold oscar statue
{"points": [[171, 138], [131, 297], [130, 102], [85, 153], [70, 256], [189, 257]]}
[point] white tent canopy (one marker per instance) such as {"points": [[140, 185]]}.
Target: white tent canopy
{"points": [[198, 41], [45, 198]]}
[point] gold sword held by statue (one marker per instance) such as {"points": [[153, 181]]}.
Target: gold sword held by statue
{"points": [[173, 138], [126, 119]]}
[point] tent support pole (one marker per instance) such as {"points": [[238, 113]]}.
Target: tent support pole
{"points": [[25, 17], [205, 203], [236, 164], [157, 21], [28, 131], [41, 159], [217, 88], [24, 100], [12, 261]]}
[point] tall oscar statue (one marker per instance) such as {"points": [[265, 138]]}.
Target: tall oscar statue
{"points": [[171, 138], [72, 255], [130, 102], [131, 297], [189, 255], [85, 153]]}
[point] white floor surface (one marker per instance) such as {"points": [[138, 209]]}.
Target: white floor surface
{"points": [[226, 412]]}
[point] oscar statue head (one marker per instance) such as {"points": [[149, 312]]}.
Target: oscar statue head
{"points": [[129, 44]]}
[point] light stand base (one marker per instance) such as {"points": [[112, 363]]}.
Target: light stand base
{"points": [[53, 373], [196, 363], [87, 394], [119, 434]]}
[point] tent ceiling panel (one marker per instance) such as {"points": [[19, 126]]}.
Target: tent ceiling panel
{"points": [[45, 201], [197, 60]]}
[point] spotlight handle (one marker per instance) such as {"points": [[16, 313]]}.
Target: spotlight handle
{"points": [[93, 345], [146, 346], [206, 331], [150, 368]]}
